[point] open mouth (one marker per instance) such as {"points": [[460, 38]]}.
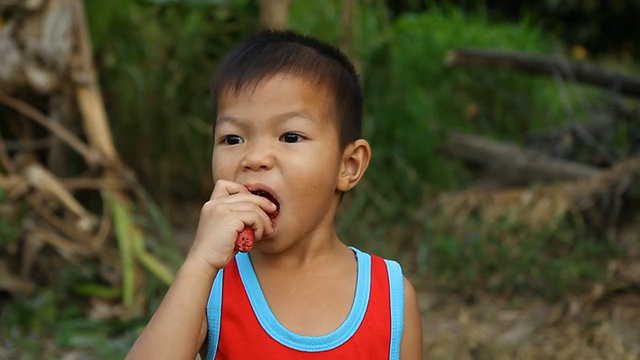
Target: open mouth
{"points": [[269, 197]]}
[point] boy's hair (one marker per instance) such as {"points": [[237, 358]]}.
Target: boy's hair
{"points": [[273, 52]]}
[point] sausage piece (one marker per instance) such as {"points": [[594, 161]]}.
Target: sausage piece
{"points": [[245, 239]]}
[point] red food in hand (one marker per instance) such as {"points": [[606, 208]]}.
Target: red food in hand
{"points": [[245, 239]]}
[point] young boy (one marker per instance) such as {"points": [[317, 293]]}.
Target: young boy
{"points": [[287, 145]]}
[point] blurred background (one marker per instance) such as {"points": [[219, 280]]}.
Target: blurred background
{"points": [[505, 175]]}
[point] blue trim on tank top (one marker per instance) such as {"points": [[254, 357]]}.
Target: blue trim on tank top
{"points": [[214, 315], [301, 342], [396, 297]]}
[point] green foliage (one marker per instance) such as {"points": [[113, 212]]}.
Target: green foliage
{"points": [[58, 313], [28, 321], [156, 58], [316, 18], [414, 100], [564, 256]]}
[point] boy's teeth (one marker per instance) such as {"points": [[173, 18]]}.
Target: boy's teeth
{"points": [[261, 193]]}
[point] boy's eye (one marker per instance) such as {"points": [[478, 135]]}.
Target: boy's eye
{"points": [[231, 140], [290, 137]]}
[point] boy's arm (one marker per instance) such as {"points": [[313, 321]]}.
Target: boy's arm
{"points": [[411, 344], [178, 328]]}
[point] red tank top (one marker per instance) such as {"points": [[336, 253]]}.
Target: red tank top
{"points": [[241, 325]]}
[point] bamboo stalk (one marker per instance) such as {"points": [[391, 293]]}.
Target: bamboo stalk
{"points": [[160, 223], [30, 249], [40, 178], [93, 184], [11, 182], [90, 156], [94, 114], [97, 290], [123, 225], [135, 242], [96, 127], [105, 226], [15, 186], [128, 234], [60, 242], [155, 266], [11, 283], [131, 245], [5, 160], [35, 200]]}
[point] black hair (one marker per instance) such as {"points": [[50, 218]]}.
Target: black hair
{"points": [[272, 52]]}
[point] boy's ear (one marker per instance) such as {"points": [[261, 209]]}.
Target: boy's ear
{"points": [[355, 160]]}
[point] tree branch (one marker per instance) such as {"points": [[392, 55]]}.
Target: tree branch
{"points": [[511, 162], [625, 84]]}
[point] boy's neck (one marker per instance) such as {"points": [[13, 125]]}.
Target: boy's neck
{"points": [[301, 255]]}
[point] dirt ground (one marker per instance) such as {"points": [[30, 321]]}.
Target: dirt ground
{"points": [[494, 328]]}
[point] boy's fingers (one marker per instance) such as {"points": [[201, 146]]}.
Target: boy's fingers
{"points": [[239, 200], [260, 223], [226, 188]]}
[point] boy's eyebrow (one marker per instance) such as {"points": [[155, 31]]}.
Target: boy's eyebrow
{"points": [[303, 114], [282, 117], [227, 119]]}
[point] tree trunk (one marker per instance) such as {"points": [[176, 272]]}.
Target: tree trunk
{"points": [[512, 163], [350, 34], [625, 84], [274, 14]]}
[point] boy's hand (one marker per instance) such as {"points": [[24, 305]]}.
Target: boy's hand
{"points": [[230, 208]]}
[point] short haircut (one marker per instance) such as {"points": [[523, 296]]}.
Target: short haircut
{"points": [[273, 52]]}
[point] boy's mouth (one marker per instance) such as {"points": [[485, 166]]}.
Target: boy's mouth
{"points": [[271, 198]]}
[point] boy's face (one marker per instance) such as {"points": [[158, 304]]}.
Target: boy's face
{"points": [[281, 137]]}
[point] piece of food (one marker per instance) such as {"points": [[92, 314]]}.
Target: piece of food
{"points": [[245, 239]]}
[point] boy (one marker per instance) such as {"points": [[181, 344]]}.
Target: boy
{"points": [[287, 145]]}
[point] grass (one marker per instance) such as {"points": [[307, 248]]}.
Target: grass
{"points": [[506, 258]]}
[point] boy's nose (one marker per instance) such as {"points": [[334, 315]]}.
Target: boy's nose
{"points": [[257, 157]]}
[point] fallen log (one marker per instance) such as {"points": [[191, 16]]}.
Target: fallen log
{"points": [[625, 84], [606, 201], [512, 163]]}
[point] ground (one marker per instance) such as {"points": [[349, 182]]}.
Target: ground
{"points": [[490, 327]]}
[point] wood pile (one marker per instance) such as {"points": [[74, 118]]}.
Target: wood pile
{"points": [[62, 183]]}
